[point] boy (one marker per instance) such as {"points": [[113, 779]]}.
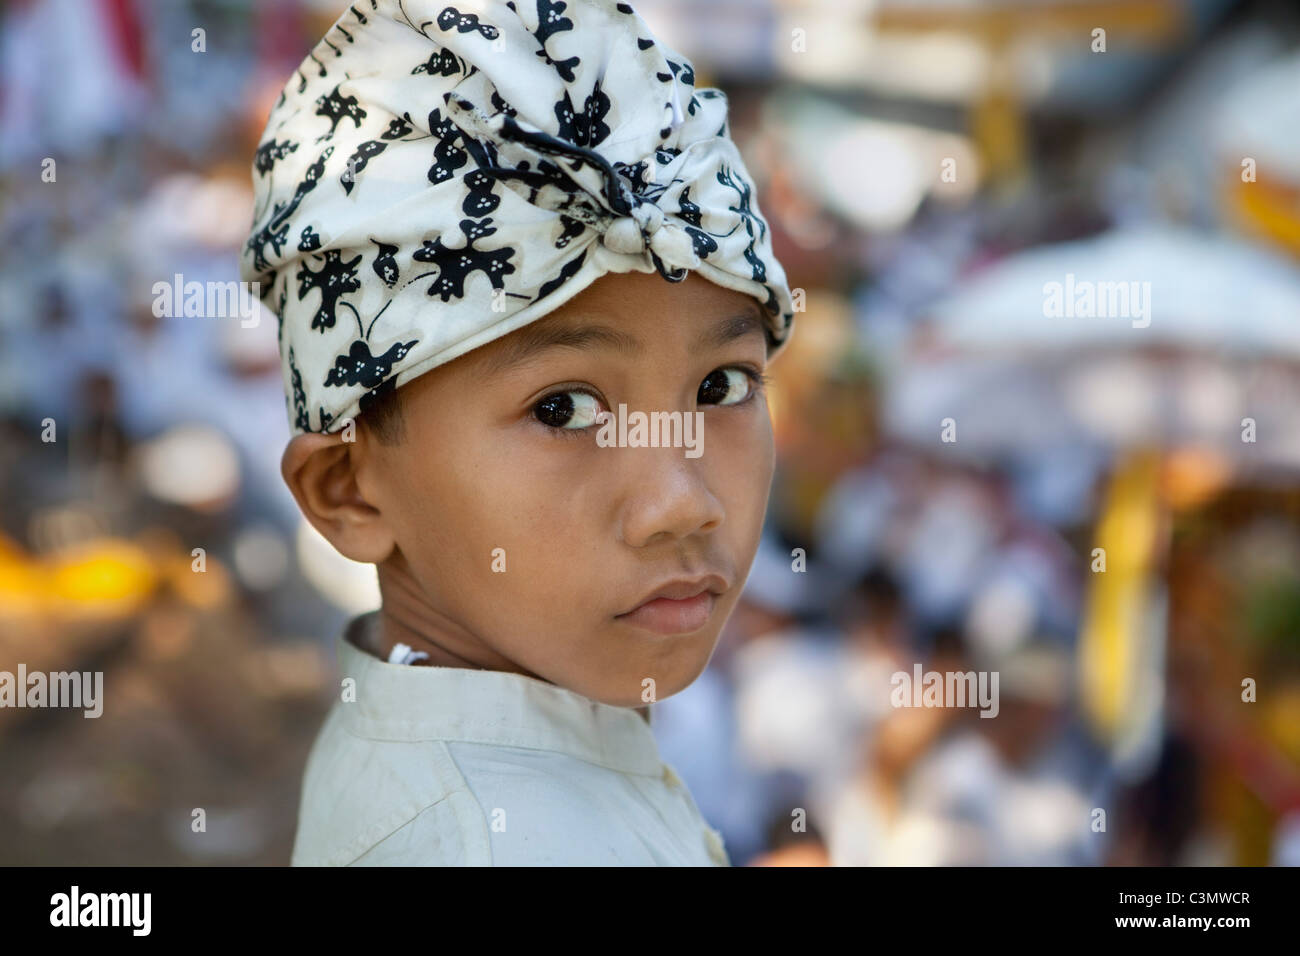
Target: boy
{"points": [[487, 231]]}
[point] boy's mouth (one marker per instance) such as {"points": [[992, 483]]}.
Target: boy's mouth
{"points": [[677, 607]]}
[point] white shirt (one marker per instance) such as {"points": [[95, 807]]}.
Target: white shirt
{"points": [[447, 766]]}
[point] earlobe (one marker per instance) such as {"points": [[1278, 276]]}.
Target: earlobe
{"points": [[321, 473]]}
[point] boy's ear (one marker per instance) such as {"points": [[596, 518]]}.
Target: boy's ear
{"points": [[321, 472]]}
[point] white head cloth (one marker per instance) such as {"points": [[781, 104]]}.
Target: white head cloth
{"points": [[434, 177]]}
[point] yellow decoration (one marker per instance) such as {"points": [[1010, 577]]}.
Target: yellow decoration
{"points": [[1268, 210], [1113, 631]]}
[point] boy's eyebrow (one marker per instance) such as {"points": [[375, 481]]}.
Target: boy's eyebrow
{"points": [[540, 337]]}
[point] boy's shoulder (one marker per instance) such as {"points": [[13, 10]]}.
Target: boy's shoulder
{"points": [[371, 802], [367, 801], [440, 766]]}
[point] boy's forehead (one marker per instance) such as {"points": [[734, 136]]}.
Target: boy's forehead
{"points": [[628, 317], [630, 298]]}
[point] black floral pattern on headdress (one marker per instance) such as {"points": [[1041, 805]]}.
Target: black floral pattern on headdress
{"points": [[452, 172]]}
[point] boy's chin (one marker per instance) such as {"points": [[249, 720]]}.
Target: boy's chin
{"points": [[633, 688]]}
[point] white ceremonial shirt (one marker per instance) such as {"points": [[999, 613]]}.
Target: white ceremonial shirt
{"points": [[448, 766]]}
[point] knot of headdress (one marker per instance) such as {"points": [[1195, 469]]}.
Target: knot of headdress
{"points": [[546, 169]]}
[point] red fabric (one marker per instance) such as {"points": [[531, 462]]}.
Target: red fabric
{"points": [[280, 32], [127, 35]]}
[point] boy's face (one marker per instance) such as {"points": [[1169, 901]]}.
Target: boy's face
{"points": [[518, 543]]}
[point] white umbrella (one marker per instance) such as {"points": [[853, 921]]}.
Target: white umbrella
{"points": [[1156, 335], [1161, 286], [1259, 117]]}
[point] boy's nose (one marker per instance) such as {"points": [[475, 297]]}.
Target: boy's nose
{"points": [[667, 497]]}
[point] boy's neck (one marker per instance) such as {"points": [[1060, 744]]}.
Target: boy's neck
{"points": [[397, 626], [406, 617]]}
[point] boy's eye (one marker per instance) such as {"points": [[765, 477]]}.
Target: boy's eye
{"points": [[576, 409], [573, 409], [724, 386]]}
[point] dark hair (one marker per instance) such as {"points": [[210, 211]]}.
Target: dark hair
{"points": [[382, 413]]}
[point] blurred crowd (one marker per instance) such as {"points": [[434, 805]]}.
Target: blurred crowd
{"points": [[953, 463]]}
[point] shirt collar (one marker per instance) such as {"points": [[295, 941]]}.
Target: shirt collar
{"points": [[404, 702]]}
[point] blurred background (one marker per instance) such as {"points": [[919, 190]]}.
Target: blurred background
{"points": [[1104, 512]]}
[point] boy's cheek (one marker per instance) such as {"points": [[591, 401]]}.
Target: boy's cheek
{"points": [[741, 469]]}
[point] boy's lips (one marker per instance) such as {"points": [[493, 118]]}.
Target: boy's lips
{"points": [[679, 606]]}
